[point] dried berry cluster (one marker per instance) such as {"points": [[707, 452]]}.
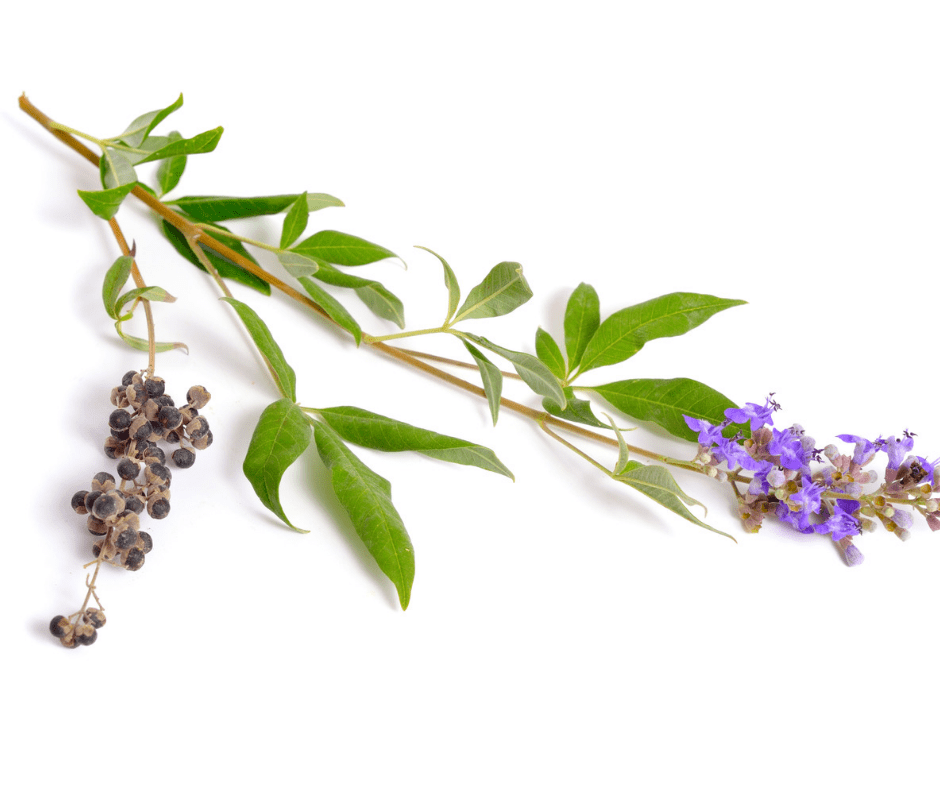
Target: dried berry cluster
{"points": [[113, 505], [83, 632]]}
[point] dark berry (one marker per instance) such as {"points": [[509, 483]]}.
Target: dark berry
{"points": [[158, 508], [136, 395], [85, 634], [197, 396], [78, 502], [60, 626], [128, 469], [158, 473], [144, 542], [164, 401], [204, 442], [126, 539], [155, 387], [114, 448], [172, 436], [118, 397], [184, 458], [91, 498], [108, 505], [128, 378], [119, 420], [155, 453], [96, 526], [134, 504], [134, 559], [197, 428], [95, 617], [151, 409], [69, 640], [140, 429], [102, 481], [121, 435], [169, 417]]}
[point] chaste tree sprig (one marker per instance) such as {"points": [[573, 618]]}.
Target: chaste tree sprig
{"points": [[771, 471]]}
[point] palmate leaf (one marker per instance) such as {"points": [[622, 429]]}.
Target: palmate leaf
{"points": [[367, 499], [281, 371], [280, 437], [625, 332], [657, 483], [666, 401], [216, 208], [374, 431], [492, 378], [502, 290]]}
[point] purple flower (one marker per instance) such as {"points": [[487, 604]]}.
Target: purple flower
{"points": [[789, 448], [707, 433], [864, 448], [896, 448], [759, 415], [841, 523], [809, 497]]}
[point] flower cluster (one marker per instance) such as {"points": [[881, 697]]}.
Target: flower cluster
{"points": [[828, 500]]}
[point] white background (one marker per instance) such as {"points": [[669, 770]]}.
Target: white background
{"points": [[562, 630]]}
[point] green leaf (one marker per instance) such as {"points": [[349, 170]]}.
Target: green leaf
{"points": [[582, 317], [666, 401], [374, 431], [114, 281], [140, 128], [625, 332], [367, 499], [208, 208], [657, 483], [225, 268], [450, 280], [502, 290], [297, 265], [214, 208], [105, 204], [201, 143], [281, 436], [338, 248], [374, 295], [623, 459], [492, 379], [281, 371], [576, 410], [141, 344], [146, 294], [115, 169], [171, 170], [295, 222], [533, 372], [332, 307], [318, 200], [546, 348]]}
